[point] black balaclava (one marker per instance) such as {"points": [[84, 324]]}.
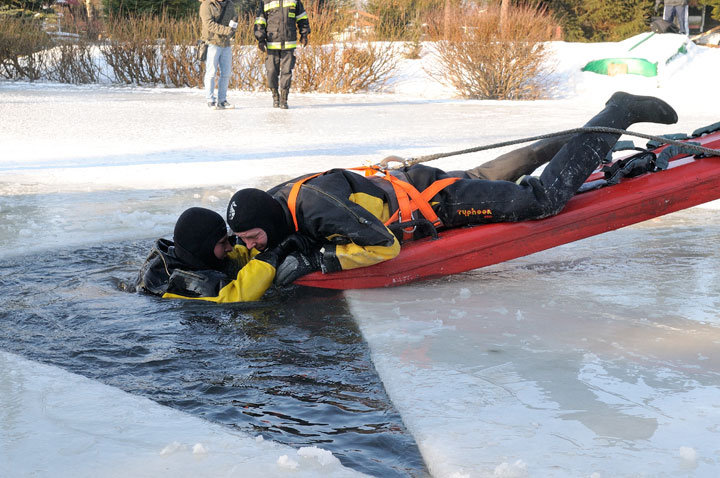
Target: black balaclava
{"points": [[250, 208], [197, 230]]}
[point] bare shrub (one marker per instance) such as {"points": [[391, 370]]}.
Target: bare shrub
{"points": [[412, 49], [483, 57], [244, 34], [132, 50], [326, 23], [344, 68], [313, 68], [180, 66], [401, 20], [247, 69], [178, 49], [160, 50], [22, 41], [73, 63]]}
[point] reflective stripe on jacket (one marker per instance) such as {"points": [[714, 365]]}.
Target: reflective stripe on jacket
{"points": [[278, 23]]}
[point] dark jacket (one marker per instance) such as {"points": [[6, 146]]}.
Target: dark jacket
{"points": [[242, 280], [215, 30], [278, 22], [346, 212]]}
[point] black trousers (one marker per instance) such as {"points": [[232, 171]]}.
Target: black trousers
{"points": [[279, 65], [480, 201], [475, 200]]}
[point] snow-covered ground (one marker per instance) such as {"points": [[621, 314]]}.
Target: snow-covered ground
{"points": [[598, 358]]}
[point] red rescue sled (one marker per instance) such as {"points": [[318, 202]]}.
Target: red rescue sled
{"points": [[686, 183]]}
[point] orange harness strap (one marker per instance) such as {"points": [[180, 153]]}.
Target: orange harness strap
{"points": [[292, 198], [408, 197], [418, 200]]}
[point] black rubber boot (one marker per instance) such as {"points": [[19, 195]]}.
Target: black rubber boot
{"points": [[276, 97], [575, 161], [641, 109], [284, 98]]}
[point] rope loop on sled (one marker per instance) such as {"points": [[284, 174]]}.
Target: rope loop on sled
{"points": [[588, 129]]}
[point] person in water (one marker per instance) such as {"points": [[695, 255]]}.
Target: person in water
{"points": [[345, 220], [203, 262]]}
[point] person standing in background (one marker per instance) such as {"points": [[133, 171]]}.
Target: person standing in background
{"points": [[219, 24], [676, 9], [276, 30]]}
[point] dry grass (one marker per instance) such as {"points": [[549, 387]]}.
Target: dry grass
{"points": [[486, 58]]}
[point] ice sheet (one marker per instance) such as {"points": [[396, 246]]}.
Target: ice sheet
{"points": [[58, 424], [570, 362]]}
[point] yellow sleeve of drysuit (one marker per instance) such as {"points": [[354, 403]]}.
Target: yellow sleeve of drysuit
{"points": [[352, 256], [253, 279]]}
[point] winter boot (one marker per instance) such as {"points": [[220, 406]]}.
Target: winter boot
{"points": [[575, 161], [276, 97], [284, 98], [640, 109]]}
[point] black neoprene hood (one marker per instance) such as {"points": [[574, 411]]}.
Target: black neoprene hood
{"points": [[250, 208], [197, 230]]}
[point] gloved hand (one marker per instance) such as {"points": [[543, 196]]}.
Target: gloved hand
{"points": [[271, 256], [297, 265], [292, 243], [262, 46], [300, 243], [233, 24], [304, 39], [274, 256]]}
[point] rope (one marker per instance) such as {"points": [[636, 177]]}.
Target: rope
{"points": [[587, 129]]}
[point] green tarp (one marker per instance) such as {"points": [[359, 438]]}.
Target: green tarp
{"points": [[614, 66]]}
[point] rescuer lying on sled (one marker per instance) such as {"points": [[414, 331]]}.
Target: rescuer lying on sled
{"points": [[201, 263], [343, 220]]}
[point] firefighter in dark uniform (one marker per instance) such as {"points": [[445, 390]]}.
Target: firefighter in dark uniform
{"points": [[347, 219], [276, 30]]}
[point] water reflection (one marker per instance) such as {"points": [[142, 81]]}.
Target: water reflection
{"points": [[293, 368]]}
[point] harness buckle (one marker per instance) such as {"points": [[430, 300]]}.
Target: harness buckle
{"points": [[407, 230]]}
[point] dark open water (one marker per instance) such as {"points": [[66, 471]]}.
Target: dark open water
{"points": [[293, 368]]}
